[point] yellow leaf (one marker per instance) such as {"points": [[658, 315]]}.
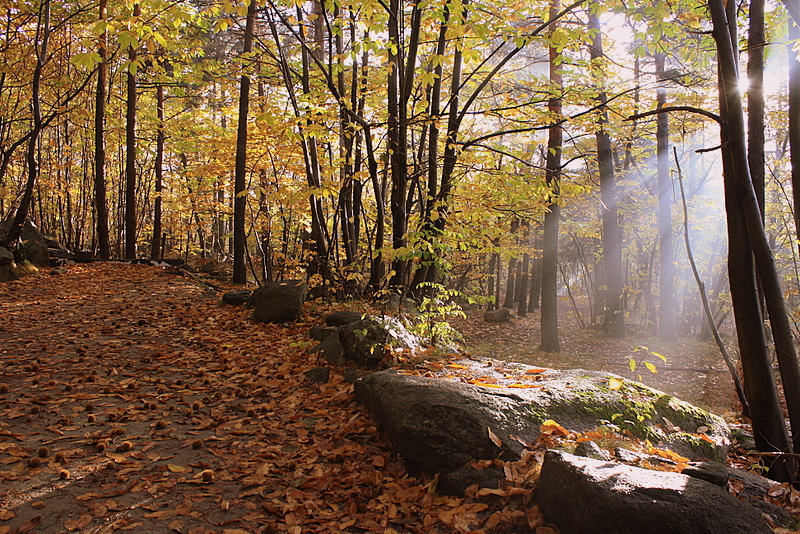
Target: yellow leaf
{"points": [[175, 468], [552, 427], [615, 383]]}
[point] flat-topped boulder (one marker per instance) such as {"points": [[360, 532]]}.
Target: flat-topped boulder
{"points": [[484, 409]]}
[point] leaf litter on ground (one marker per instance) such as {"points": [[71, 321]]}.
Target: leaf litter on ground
{"points": [[131, 401]]}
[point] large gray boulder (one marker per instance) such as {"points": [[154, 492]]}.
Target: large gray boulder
{"points": [[443, 423], [278, 302], [581, 495], [33, 244]]}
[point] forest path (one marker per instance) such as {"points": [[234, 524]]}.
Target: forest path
{"points": [[131, 401]]}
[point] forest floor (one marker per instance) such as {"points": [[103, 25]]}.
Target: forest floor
{"points": [[132, 401]]}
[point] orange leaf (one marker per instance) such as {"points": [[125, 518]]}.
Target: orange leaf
{"points": [[78, 523], [494, 438]]}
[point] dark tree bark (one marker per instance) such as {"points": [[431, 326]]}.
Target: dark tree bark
{"points": [[100, 200], [549, 293], [535, 284], [523, 279], [130, 151], [747, 240], [510, 284], [493, 261], [41, 46], [666, 285], [794, 120], [240, 180], [755, 99], [614, 318], [155, 245]]}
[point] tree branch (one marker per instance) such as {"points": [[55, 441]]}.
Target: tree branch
{"points": [[690, 109]]}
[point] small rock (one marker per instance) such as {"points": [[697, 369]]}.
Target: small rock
{"points": [[321, 332], [6, 256], [590, 449], [331, 349], [236, 298], [343, 317], [497, 316], [319, 374], [456, 482], [58, 270]]}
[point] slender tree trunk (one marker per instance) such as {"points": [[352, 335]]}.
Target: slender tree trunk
{"points": [[522, 294], [43, 39], [493, 261], [155, 249], [240, 179], [614, 318], [755, 99], [510, 284], [549, 292], [130, 151], [396, 146], [794, 121], [666, 286], [100, 201]]}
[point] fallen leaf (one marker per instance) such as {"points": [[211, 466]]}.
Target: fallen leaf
{"points": [[78, 522], [494, 438], [5, 515], [175, 468]]}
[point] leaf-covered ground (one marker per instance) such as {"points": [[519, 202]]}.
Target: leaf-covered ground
{"points": [[131, 401]]}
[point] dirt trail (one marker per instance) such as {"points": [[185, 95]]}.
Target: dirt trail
{"points": [[131, 401]]}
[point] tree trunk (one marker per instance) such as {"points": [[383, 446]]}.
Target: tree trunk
{"points": [[32, 161], [794, 120], [755, 99], [522, 293], [130, 151], [510, 284], [549, 292], [240, 179], [747, 240], [100, 201], [614, 318], [396, 145], [666, 286], [155, 245]]}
